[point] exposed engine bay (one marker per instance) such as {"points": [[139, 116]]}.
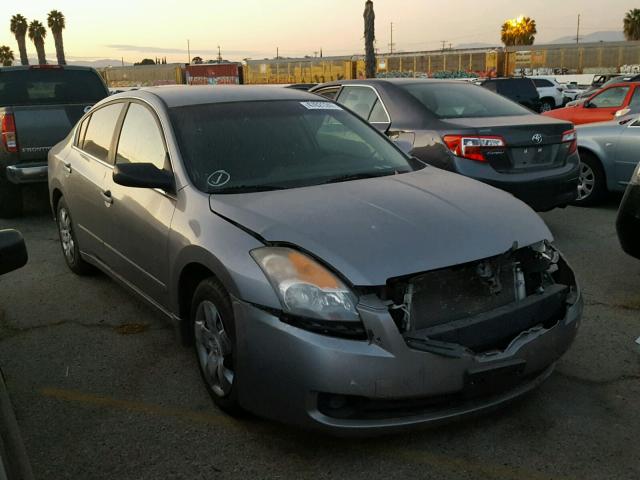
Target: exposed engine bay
{"points": [[483, 305]]}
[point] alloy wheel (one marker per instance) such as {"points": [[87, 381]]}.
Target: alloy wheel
{"points": [[214, 348], [586, 181], [66, 235]]}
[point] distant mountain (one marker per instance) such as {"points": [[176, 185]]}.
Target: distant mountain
{"points": [[607, 36], [102, 63], [99, 63]]}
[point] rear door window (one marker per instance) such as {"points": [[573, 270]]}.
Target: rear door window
{"points": [[359, 99], [102, 123], [141, 140], [635, 98], [609, 98]]}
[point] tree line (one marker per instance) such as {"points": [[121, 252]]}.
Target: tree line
{"points": [[21, 28]]}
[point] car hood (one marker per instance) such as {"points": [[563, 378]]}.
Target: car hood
{"points": [[375, 229]]}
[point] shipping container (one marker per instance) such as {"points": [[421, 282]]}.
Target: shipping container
{"points": [[214, 74]]}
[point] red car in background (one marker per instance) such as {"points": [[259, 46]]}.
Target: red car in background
{"points": [[603, 105]]}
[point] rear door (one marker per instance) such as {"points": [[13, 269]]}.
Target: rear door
{"points": [[86, 168], [603, 106], [139, 219]]}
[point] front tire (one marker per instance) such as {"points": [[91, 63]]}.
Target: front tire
{"points": [[592, 184], [214, 336], [68, 241], [10, 198]]}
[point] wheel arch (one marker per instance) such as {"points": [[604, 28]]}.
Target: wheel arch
{"points": [[596, 156]]}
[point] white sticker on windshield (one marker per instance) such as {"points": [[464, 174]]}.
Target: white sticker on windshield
{"points": [[218, 178], [320, 106]]}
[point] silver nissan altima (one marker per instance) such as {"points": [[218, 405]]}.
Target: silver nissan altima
{"points": [[324, 278]]}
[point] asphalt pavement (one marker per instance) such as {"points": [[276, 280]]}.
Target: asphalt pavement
{"points": [[103, 389]]}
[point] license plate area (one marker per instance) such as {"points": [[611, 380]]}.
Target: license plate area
{"points": [[494, 378], [533, 156]]}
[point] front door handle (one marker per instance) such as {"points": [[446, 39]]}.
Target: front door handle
{"points": [[106, 196], [67, 167]]}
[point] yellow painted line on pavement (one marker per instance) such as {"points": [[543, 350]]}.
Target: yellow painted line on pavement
{"points": [[137, 407], [483, 470]]}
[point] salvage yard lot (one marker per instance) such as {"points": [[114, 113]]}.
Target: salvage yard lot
{"points": [[103, 389]]}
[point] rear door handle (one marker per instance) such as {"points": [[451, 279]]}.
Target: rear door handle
{"points": [[106, 196], [67, 167]]}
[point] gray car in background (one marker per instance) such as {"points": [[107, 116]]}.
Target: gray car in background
{"points": [[324, 278], [608, 157]]}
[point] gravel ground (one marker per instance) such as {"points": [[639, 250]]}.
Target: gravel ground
{"points": [[103, 389]]}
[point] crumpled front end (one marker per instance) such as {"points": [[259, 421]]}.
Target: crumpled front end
{"points": [[439, 345]]}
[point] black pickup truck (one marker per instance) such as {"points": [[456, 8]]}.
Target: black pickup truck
{"points": [[38, 107]]}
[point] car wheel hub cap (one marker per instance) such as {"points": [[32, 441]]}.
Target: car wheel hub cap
{"points": [[214, 350], [66, 236], [587, 181]]}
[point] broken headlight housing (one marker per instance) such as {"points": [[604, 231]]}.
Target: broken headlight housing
{"points": [[306, 288]]}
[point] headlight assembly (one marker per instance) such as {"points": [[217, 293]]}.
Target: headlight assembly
{"points": [[305, 287]]}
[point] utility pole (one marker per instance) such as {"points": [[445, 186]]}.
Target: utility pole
{"points": [[277, 53], [391, 44], [578, 31], [219, 55], [444, 43], [188, 51]]}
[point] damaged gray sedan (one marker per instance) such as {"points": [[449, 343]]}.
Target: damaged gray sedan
{"points": [[324, 278]]}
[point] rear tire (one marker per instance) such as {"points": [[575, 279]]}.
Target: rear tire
{"points": [[68, 241], [215, 342], [592, 186], [10, 198], [547, 105]]}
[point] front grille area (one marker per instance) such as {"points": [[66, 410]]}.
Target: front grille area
{"points": [[482, 305]]}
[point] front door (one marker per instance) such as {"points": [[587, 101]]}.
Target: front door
{"points": [[140, 218]]}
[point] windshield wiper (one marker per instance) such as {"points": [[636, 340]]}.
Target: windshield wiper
{"points": [[360, 176], [246, 189]]}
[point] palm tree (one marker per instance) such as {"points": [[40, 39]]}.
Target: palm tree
{"points": [[37, 32], [56, 23], [631, 24], [369, 39], [519, 31], [6, 56], [19, 29]]}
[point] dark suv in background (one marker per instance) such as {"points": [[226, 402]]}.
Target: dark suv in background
{"points": [[520, 90], [461, 127]]}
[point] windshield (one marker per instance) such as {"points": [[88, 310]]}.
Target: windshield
{"points": [[267, 145], [453, 100], [50, 87]]}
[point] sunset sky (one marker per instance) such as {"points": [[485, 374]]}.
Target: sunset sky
{"points": [[136, 29]]}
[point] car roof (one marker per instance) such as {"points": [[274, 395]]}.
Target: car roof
{"points": [[184, 95], [388, 81]]}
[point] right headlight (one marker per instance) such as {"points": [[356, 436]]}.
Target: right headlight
{"points": [[305, 287]]}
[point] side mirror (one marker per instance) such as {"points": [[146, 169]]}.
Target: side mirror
{"points": [[143, 175], [13, 251]]}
